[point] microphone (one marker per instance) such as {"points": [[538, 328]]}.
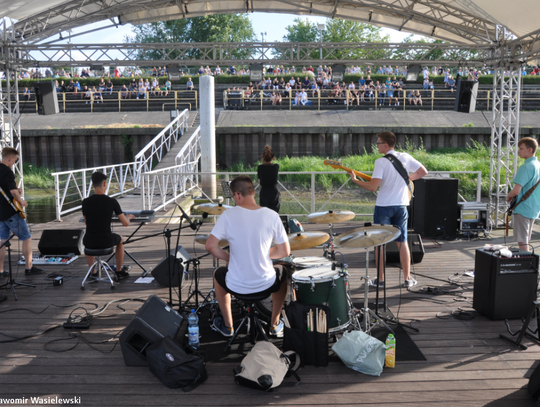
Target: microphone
{"points": [[192, 225]]}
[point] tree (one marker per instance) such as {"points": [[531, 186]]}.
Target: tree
{"points": [[213, 28], [432, 55], [302, 30], [336, 30]]}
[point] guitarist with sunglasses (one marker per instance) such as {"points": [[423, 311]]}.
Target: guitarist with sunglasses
{"points": [[393, 197], [525, 210], [11, 218]]}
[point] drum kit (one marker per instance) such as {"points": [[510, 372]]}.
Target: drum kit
{"points": [[321, 280]]}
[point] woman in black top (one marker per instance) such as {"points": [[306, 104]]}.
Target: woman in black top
{"points": [[267, 173]]}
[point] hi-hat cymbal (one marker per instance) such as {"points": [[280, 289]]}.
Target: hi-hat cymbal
{"points": [[369, 236], [212, 209], [330, 216], [307, 240], [201, 239]]}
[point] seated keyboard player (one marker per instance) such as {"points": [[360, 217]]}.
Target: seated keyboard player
{"points": [[97, 211]]}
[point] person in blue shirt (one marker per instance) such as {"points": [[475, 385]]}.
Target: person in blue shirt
{"points": [[361, 81], [526, 178]]}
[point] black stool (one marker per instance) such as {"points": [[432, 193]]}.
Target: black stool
{"points": [[250, 316], [100, 265]]}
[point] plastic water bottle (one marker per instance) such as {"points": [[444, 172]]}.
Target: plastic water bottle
{"points": [[193, 329], [390, 359]]}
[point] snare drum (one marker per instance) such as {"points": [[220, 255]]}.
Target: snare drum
{"points": [[310, 261], [324, 286]]}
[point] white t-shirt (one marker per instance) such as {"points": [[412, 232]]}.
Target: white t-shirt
{"points": [[393, 191], [250, 234]]}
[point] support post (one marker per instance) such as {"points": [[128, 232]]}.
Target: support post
{"points": [[208, 134]]}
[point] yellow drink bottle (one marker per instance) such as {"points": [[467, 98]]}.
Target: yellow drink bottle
{"points": [[390, 359]]}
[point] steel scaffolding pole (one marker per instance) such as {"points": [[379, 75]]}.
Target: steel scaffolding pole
{"points": [[9, 103], [504, 133]]}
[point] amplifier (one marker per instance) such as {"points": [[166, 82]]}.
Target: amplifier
{"points": [[416, 247], [61, 242], [504, 288]]}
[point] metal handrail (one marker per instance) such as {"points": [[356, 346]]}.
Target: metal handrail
{"points": [[186, 162], [121, 178], [127, 175], [169, 186], [155, 150]]}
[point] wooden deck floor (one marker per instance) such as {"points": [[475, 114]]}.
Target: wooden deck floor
{"points": [[467, 364]]}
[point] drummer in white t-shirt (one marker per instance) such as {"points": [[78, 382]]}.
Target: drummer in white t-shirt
{"points": [[250, 230]]}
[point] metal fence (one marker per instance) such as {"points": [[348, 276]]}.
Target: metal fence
{"points": [[71, 187], [302, 192]]}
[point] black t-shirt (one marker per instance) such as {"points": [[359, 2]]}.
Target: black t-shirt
{"points": [[7, 182], [268, 174], [98, 211]]}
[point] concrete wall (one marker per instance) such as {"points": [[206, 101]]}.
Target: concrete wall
{"points": [[247, 143], [80, 148]]}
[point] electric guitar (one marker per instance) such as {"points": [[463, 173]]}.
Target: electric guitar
{"points": [[337, 165], [15, 205], [511, 206]]}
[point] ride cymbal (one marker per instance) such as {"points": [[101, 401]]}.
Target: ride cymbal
{"points": [[369, 236], [330, 216], [212, 209], [307, 240]]}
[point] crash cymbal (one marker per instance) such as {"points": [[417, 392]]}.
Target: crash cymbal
{"points": [[307, 240], [330, 216], [212, 209], [201, 239], [369, 236]]}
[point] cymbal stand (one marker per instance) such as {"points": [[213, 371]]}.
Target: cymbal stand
{"points": [[353, 312], [196, 292], [12, 283], [367, 322], [330, 254]]}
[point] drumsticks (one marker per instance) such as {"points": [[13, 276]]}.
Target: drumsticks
{"points": [[318, 323]]}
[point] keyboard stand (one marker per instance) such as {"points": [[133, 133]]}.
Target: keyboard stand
{"points": [[128, 240]]}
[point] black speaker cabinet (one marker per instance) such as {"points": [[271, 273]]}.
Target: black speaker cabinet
{"points": [[435, 207], [416, 247], [161, 271], [466, 94], [153, 321], [46, 97], [61, 242], [504, 288]]}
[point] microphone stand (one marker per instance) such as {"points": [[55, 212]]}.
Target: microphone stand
{"points": [[11, 282]]}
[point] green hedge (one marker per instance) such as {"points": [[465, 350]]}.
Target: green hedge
{"points": [[245, 79]]}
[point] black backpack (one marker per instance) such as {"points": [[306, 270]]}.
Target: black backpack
{"points": [[174, 367]]}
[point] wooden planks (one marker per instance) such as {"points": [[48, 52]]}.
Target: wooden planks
{"points": [[467, 364]]}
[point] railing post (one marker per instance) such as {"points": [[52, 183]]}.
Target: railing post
{"points": [[479, 187], [57, 197], [147, 100], [312, 192], [432, 98]]}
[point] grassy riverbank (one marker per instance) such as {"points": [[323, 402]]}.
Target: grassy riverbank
{"points": [[474, 158]]}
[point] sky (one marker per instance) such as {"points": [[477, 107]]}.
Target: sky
{"points": [[272, 25]]}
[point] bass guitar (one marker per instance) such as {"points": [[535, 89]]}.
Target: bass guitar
{"points": [[14, 204], [337, 165]]}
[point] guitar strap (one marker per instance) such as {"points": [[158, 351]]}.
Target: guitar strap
{"points": [[525, 196], [400, 169]]}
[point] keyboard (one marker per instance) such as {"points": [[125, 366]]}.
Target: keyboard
{"points": [[140, 216], [50, 260]]}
